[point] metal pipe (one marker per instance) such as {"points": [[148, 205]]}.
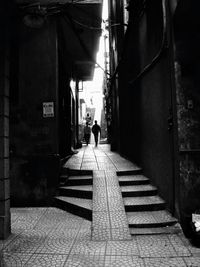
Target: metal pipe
{"points": [[164, 46]]}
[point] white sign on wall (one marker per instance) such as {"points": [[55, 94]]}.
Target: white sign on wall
{"points": [[48, 109]]}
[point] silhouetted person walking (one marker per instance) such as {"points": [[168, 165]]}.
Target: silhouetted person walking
{"points": [[87, 132], [88, 118], [96, 129]]}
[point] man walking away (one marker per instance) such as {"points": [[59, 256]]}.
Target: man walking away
{"points": [[96, 129]]}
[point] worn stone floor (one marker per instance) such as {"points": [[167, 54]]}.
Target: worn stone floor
{"points": [[52, 237]]}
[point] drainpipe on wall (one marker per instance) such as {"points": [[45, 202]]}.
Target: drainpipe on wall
{"points": [[5, 224], [77, 142]]}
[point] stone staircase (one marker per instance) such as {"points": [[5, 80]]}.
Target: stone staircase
{"points": [[75, 192], [145, 210]]}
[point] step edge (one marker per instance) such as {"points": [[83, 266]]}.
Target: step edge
{"points": [[73, 204], [136, 171], [75, 189], [173, 229], [152, 225]]}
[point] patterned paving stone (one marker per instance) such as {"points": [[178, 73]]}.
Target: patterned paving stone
{"points": [[46, 260], [14, 217], [155, 246], [84, 234], [116, 204], [99, 183], [113, 216], [132, 177], [19, 212], [137, 188], [85, 224], [165, 262], [101, 234], [103, 166], [112, 182], [52, 237], [192, 261], [26, 215], [89, 160], [147, 217], [89, 166], [70, 223], [179, 246], [120, 234], [27, 221], [114, 190], [103, 159], [27, 242], [55, 212], [14, 234], [89, 248], [64, 232], [123, 261], [14, 260], [99, 192], [194, 250], [59, 222], [111, 179], [98, 174], [83, 261], [89, 156], [100, 220], [118, 219], [118, 248], [112, 193], [143, 200], [55, 245], [99, 204]]}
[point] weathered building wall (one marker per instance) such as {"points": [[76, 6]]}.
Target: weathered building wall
{"points": [[37, 79], [157, 89], [34, 138], [157, 100], [187, 36], [116, 31], [146, 97]]}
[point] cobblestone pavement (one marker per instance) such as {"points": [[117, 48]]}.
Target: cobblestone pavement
{"points": [[52, 237]]}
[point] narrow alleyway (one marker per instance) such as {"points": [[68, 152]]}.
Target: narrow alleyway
{"points": [[49, 236]]}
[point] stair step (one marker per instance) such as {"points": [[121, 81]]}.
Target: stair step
{"points": [[174, 229], [148, 203], [80, 180], [76, 206], [138, 190], [82, 191], [75, 172], [150, 219], [133, 180], [63, 179], [129, 172]]}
